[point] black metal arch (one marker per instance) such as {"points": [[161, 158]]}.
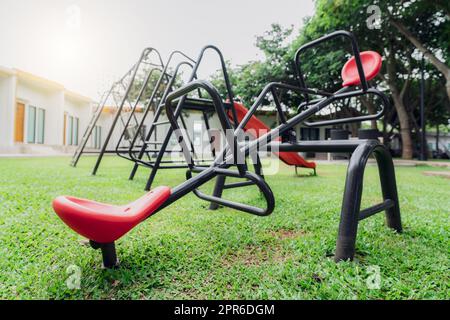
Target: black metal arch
{"points": [[351, 214], [361, 150]]}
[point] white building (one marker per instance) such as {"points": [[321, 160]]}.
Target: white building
{"points": [[40, 116]]}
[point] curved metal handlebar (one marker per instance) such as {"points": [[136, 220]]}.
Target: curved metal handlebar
{"points": [[232, 142], [133, 110], [317, 106], [268, 89], [164, 95], [218, 105], [256, 179], [181, 53], [144, 55], [336, 34], [378, 115], [158, 55], [225, 75]]}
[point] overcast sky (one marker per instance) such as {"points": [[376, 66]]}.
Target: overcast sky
{"points": [[86, 44]]}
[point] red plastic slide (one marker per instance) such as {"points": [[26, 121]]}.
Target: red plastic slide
{"points": [[257, 128]]}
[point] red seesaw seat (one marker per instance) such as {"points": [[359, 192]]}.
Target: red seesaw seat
{"points": [[104, 223], [371, 62]]}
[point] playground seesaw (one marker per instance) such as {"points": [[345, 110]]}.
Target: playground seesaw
{"points": [[104, 224]]}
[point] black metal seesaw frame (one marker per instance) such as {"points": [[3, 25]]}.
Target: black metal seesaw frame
{"points": [[325, 99], [125, 99], [158, 104], [188, 103], [204, 174], [361, 149], [351, 213]]}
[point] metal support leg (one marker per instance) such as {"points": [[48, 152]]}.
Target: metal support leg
{"points": [[135, 167], [258, 167], [218, 190], [152, 176], [108, 254], [158, 160], [348, 226], [389, 188], [208, 130], [144, 143]]}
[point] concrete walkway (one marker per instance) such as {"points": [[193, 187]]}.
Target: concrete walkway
{"points": [[397, 162], [22, 155], [443, 174], [440, 164]]}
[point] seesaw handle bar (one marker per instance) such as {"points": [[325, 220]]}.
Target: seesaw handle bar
{"points": [[205, 175], [328, 37], [384, 106]]}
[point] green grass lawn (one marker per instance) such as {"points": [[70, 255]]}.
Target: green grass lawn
{"points": [[187, 251]]}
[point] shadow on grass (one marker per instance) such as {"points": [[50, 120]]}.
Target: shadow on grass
{"points": [[305, 175]]}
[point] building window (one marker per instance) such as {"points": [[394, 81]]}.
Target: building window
{"points": [[198, 133], [40, 132], [72, 131], [35, 125], [97, 137], [76, 124], [69, 130], [31, 124]]}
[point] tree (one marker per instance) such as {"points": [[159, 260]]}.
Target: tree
{"points": [[400, 62], [413, 21], [424, 23], [249, 79]]}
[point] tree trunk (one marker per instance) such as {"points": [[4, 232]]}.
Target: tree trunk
{"points": [[372, 110], [405, 128], [437, 139], [402, 113], [354, 127]]}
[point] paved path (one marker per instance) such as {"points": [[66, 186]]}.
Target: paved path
{"points": [[397, 162], [34, 155], [441, 164], [443, 174]]}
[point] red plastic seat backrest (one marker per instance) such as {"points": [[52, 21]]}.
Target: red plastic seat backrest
{"points": [[371, 62]]}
